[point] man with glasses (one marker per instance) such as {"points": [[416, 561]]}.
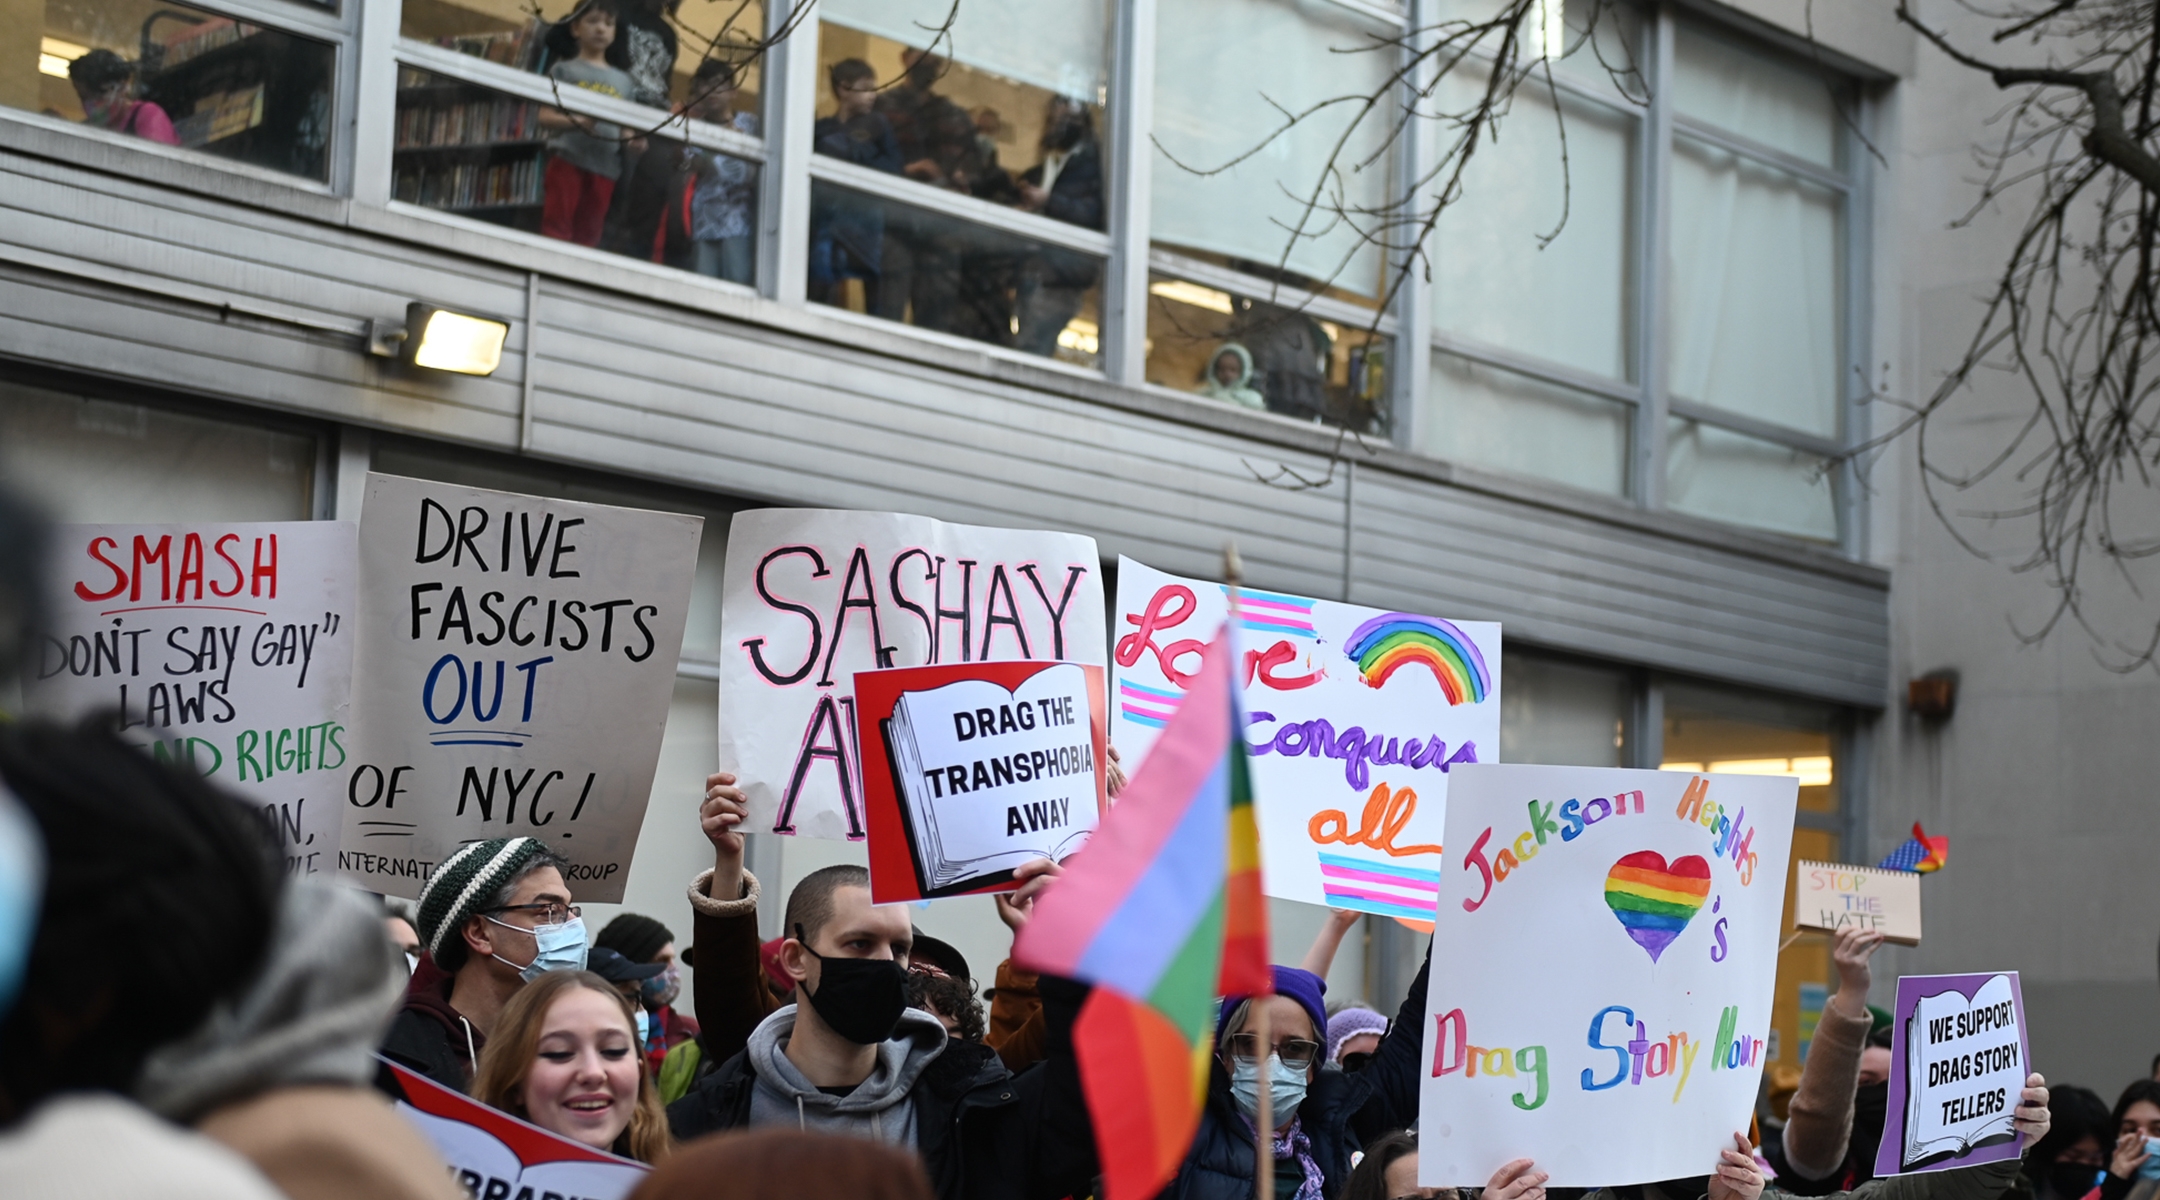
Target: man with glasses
{"points": [[493, 917]]}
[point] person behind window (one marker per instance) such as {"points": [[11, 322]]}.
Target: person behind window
{"points": [[724, 196], [1066, 186], [1229, 379], [847, 232], [585, 156], [104, 83], [565, 1057]]}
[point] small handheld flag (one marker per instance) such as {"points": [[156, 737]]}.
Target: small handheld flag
{"points": [[1920, 853]]}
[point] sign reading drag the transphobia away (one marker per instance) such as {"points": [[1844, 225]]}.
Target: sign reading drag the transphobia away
{"points": [[1603, 960], [1355, 717], [814, 595], [516, 660], [227, 646]]}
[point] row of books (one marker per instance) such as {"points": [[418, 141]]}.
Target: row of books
{"points": [[194, 41], [471, 185], [474, 123], [520, 48]]}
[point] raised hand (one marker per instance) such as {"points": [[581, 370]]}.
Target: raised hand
{"points": [[2032, 1118], [721, 816], [1516, 1180], [1034, 876], [1851, 952], [1738, 1176]]}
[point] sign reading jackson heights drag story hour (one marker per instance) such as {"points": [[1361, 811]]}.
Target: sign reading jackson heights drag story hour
{"points": [[515, 661], [814, 595], [228, 646]]}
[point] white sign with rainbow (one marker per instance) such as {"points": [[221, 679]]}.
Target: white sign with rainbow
{"points": [[1354, 716]]}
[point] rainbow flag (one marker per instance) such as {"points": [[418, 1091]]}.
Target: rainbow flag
{"points": [[1162, 912], [1920, 853]]}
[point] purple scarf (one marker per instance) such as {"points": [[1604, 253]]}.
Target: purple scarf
{"points": [[1291, 1143]]}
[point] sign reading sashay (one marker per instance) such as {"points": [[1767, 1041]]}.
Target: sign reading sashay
{"points": [[516, 658], [814, 595]]}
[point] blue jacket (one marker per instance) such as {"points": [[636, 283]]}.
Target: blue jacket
{"points": [[1340, 1114]]}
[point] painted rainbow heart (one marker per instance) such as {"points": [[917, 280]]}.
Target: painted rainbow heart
{"points": [[1654, 901]]}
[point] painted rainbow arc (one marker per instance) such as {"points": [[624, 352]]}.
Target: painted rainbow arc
{"points": [[1384, 644]]}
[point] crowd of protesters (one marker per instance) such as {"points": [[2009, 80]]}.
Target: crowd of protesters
{"points": [[181, 1019]]}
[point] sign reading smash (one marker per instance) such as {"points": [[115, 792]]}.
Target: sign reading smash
{"points": [[1657, 897]]}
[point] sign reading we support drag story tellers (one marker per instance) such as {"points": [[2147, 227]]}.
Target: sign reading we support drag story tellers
{"points": [[814, 595], [228, 646], [492, 1153], [971, 770], [1603, 961], [1355, 717], [1958, 1061], [515, 662]]}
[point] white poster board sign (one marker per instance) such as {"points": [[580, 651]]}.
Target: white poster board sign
{"points": [[1603, 956], [516, 660], [226, 646], [814, 595], [1355, 718]]}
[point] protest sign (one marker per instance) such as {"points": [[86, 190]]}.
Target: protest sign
{"points": [[227, 646], [492, 1153], [516, 660], [1354, 718], [1834, 896], [972, 769], [814, 595], [1958, 1060], [1602, 967]]}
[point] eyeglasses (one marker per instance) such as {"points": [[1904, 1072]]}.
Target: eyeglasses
{"points": [[1295, 1053], [550, 913]]}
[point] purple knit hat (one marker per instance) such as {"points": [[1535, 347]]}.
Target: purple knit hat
{"points": [[1298, 984], [1349, 1023]]}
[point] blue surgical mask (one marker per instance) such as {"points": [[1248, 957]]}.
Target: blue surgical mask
{"points": [[644, 1028], [1286, 1089], [557, 948], [22, 882]]}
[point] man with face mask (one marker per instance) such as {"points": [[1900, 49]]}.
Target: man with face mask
{"points": [[493, 917], [852, 1058], [641, 939], [1836, 1117]]}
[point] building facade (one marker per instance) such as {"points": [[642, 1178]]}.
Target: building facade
{"points": [[1021, 270]]}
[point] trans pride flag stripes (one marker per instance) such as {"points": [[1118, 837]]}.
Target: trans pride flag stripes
{"points": [[1162, 912]]}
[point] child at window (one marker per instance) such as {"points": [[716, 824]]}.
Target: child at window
{"points": [[585, 156], [847, 232], [102, 80], [721, 204]]}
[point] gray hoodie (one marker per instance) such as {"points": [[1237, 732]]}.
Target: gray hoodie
{"points": [[880, 1108]]}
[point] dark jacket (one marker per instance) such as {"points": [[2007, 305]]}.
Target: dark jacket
{"points": [[1076, 195], [429, 1036], [983, 1132], [1340, 1114]]}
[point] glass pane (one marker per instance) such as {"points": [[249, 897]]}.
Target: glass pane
{"points": [[86, 459], [495, 158], [1721, 731], [1054, 46], [1560, 712], [1495, 420], [873, 255], [177, 75], [1494, 282], [1729, 477], [1783, 104], [1242, 350], [1005, 138], [1225, 70], [659, 47], [1756, 313]]}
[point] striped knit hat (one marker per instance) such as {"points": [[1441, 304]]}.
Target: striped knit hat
{"points": [[464, 881]]}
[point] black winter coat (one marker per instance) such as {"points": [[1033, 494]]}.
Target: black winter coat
{"points": [[1340, 1114], [983, 1132]]}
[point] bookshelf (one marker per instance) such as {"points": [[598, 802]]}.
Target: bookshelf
{"points": [[466, 149]]}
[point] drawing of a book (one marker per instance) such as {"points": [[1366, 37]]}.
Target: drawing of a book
{"points": [[1951, 1112], [989, 779]]}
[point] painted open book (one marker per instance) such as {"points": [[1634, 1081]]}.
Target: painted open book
{"points": [[1964, 1068]]}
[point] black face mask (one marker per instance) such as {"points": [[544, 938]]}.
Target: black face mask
{"points": [[1356, 1061], [2068, 1181], [1871, 1101], [860, 998]]}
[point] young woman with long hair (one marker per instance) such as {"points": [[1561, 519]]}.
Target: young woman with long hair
{"points": [[564, 1055]]}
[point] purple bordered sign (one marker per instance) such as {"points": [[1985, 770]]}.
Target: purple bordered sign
{"points": [[1959, 1059]]}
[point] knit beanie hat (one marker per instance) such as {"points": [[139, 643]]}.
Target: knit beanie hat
{"points": [[1298, 984], [635, 936], [1349, 1023], [464, 881]]}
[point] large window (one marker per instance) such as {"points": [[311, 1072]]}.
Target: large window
{"points": [[231, 85]]}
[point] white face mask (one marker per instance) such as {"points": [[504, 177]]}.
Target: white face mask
{"points": [[555, 948]]}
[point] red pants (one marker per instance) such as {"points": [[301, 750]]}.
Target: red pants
{"points": [[577, 203]]}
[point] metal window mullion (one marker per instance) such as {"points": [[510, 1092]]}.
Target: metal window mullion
{"points": [[1326, 308], [1132, 110], [1534, 368], [541, 89], [1748, 148], [371, 132], [783, 250], [902, 190], [1857, 387], [305, 20], [1411, 372], [1654, 231], [1754, 427]]}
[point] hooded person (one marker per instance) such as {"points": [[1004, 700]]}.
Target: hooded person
{"points": [[852, 1058], [641, 939], [493, 916], [280, 1072], [1229, 378]]}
